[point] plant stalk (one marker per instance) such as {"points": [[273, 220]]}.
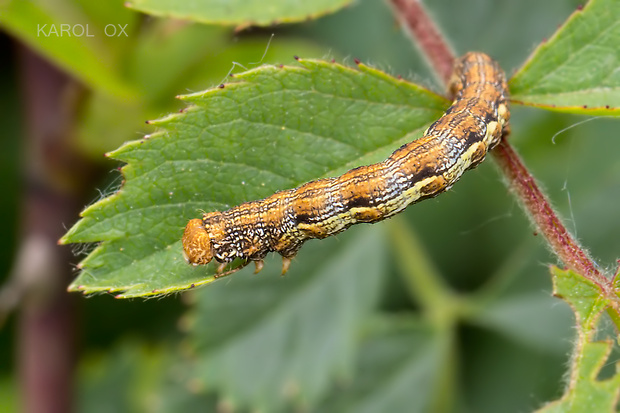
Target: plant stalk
{"points": [[50, 201], [422, 29]]}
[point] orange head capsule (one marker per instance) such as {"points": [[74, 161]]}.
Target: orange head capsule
{"points": [[196, 243]]}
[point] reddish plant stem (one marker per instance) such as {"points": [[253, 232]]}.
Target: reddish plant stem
{"points": [[423, 30], [539, 209], [51, 199], [434, 46]]}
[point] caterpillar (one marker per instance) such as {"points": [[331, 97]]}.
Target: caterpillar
{"points": [[418, 170]]}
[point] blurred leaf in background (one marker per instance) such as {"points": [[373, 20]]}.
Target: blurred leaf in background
{"points": [[240, 13]]}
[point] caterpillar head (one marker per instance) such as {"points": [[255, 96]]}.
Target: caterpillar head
{"points": [[196, 243]]}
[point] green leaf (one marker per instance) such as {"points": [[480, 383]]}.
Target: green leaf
{"points": [[265, 341], [399, 369], [72, 40], [532, 319], [9, 394], [584, 296], [202, 55], [585, 393], [112, 383], [241, 13], [271, 128], [578, 69], [133, 376]]}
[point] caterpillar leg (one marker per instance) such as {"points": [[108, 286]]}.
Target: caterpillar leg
{"points": [[286, 263], [259, 266], [221, 273]]}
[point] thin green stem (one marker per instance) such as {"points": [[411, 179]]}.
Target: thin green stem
{"points": [[423, 281], [446, 382]]}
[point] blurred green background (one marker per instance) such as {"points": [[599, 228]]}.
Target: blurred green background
{"points": [[510, 356]]}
